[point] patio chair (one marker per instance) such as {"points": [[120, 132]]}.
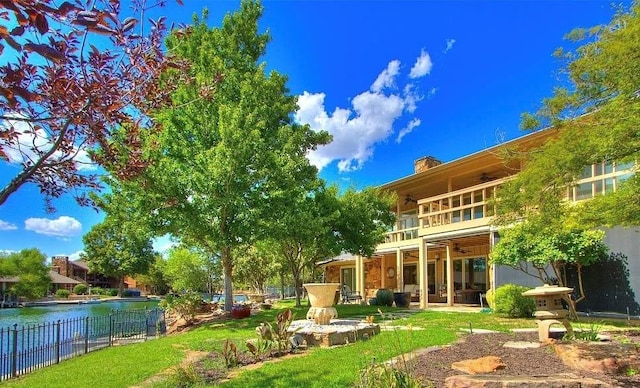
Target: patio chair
{"points": [[349, 296]]}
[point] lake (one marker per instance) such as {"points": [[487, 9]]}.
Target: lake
{"points": [[36, 315]]}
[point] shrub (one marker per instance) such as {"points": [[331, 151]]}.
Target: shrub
{"points": [[80, 289], [113, 292], [97, 291], [384, 297], [62, 293], [508, 299]]}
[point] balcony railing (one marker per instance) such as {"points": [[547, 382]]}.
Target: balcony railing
{"points": [[461, 206], [401, 235]]}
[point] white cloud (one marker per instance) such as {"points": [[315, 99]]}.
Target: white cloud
{"points": [[355, 131], [387, 78], [450, 43], [368, 121], [411, 98], [32, 142], [422, 66], [406, 130], [4, 225], [432, 92], [63, 226]]}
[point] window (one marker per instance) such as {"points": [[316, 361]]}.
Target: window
{"points": [[348, 277], [583, 191]]}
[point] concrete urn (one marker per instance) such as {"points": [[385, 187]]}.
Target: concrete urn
{"points": [[322, 299]]}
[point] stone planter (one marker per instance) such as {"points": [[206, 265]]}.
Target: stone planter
{"points": [[322, 298], [239, 311], [402, 299]]}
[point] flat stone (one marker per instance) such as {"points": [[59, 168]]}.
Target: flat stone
{"points": [[502, 381], [477, 331], [521, 345]]}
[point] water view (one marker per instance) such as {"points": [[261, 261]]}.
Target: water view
{"points": [[37, 315]]}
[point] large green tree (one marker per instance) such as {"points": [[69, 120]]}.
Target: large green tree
{"points": [[321, 223], [595, 113], [228, 142], [118, 248], [29, 265]]}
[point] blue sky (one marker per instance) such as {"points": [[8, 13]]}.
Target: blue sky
{"points": [[391, 80]]}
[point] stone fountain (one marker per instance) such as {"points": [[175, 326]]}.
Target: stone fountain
{"points": [[321, 326]]}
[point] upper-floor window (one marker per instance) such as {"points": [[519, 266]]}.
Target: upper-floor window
{"points": [[600, 178]]}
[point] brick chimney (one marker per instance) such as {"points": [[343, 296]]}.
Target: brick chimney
{"points": [[425, 163], [61, 263]]}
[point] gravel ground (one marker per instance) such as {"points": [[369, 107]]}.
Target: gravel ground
{"points": [[435, 366]]}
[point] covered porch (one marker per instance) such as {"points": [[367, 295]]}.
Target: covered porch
{"points": [[441, 271]]}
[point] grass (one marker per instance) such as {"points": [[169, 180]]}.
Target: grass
{"points": [[126, 366]]}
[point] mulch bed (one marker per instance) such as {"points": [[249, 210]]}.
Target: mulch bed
{"points": [[435, 366]]}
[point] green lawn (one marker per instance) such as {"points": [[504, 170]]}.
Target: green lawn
{"points": [[126, 366]]}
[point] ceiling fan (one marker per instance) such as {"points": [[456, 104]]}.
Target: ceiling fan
{"points": [[484, 177], [459, 250], [409, 198]]}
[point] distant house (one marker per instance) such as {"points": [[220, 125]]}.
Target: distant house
{"points": [[79, 270], [57, 282], [61, 282]]}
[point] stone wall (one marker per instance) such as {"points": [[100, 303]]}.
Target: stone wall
{"points": [[332, 274]]}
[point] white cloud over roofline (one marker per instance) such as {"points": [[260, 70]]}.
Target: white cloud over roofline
{"points": [[63, 226], [369, 120]]}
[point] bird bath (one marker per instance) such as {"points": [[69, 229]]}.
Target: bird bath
{"points": [[322, 297]]}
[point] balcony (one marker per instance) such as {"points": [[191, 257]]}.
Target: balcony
{"points": [[401, 235], [460, 209]]}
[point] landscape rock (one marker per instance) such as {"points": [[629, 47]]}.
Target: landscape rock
{"points": [[479, 365], [504, 381]]}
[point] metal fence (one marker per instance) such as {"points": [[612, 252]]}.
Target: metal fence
{"points": [[30, 347]]}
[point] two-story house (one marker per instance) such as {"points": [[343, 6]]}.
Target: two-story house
{"points": [[439, 247]]}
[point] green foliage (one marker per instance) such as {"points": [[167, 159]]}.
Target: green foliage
{"points": [[536, 250], [256, 265], [80, 289], [189, 269], [591, 333], [30, 268], [384, 297], [277, 333], [117, 246], [510, 301], [184, 377], [228, 144], [154, 280], [62, 293], [185, 305], [112, 292], [386, 376]]}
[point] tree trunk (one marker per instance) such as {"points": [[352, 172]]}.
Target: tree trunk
{"points": [[282, 285], [121, 286], [228, 283]]}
